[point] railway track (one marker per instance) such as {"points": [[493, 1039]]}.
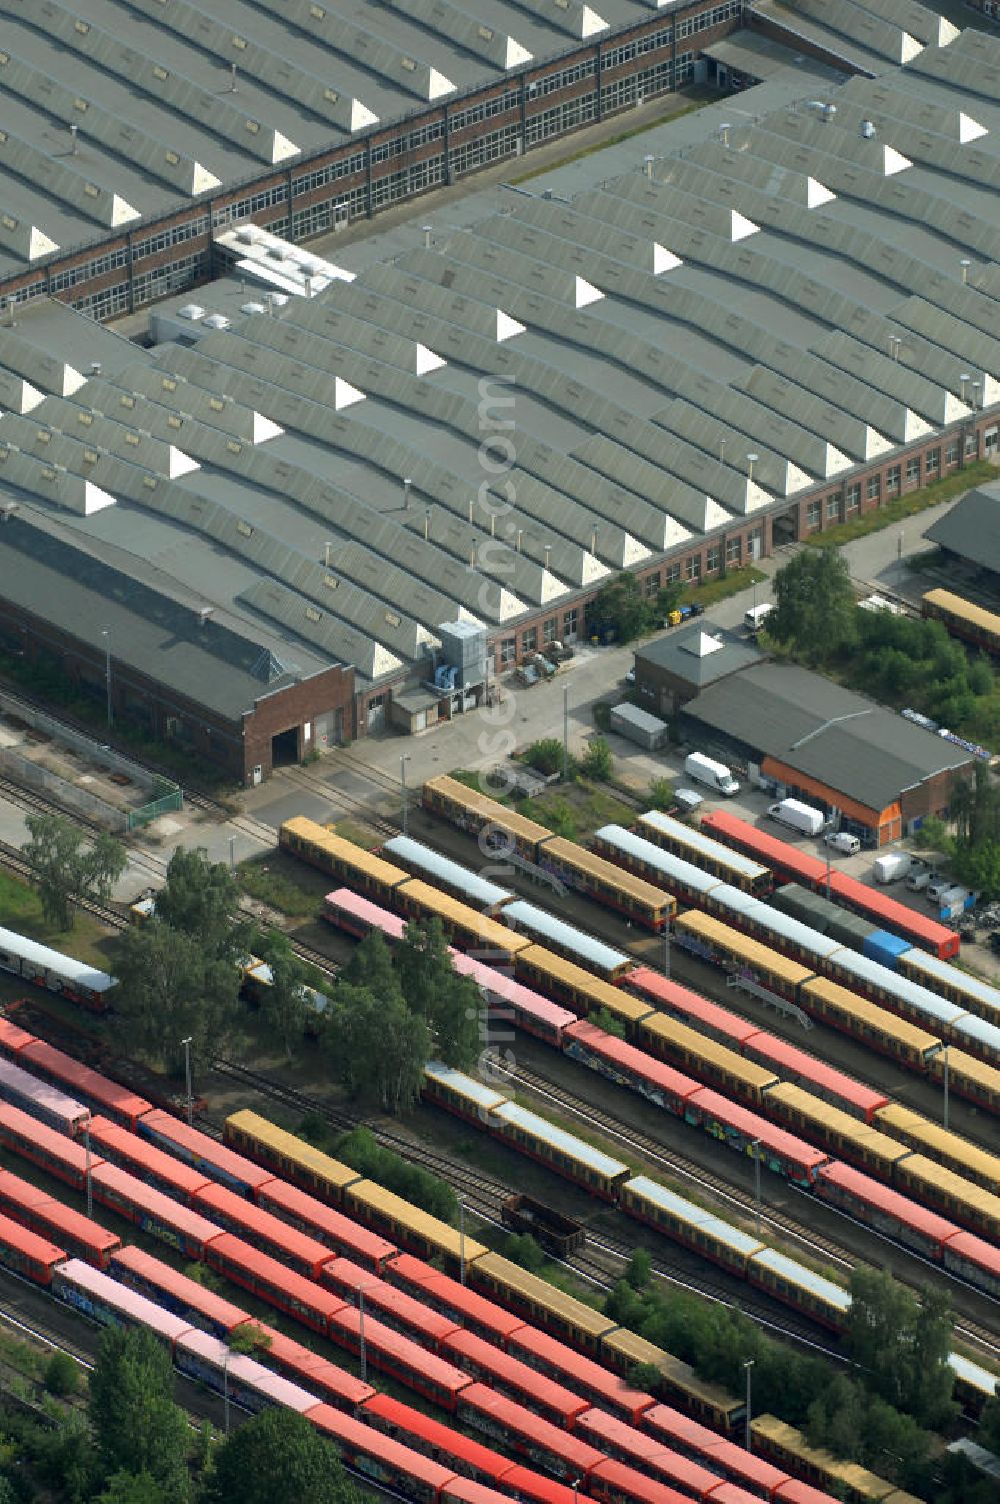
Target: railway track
{"points": [[485, 1195]]}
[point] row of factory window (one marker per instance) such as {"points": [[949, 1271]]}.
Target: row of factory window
{"points": [[839, 506]]}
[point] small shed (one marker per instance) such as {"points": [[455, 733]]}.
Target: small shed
{"points": [[646, 730]]}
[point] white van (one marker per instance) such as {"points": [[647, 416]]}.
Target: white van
{"points": [[714, 775], [755, 618], [798, 816]]}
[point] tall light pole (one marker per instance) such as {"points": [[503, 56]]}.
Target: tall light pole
{"points": [[748, 1365], [106, 634], [406, 800], [90, 1185], [565, 772], [461, 1240], [945, 1118], [362, 1350], [666, 949], [755, 1146], [225, 1391], [187, 1078]]}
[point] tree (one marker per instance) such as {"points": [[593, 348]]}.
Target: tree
{"points": [[431, 987], [620, 608], [200, 898], [61, 1376], [927, 1396], [597, 761], [132, 1488], [376, 1046], [171, 988], [65, 866], [639, 1269], [278, 1458], [371, 966], [283, 1004], [882, 1336], [546, 756], [522, 1248], [661, 794], [137, 1427], [814, 605]]}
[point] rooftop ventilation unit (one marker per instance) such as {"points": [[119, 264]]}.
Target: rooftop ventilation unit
{"points": [[192, 311], [251, 308], [217, 321]]}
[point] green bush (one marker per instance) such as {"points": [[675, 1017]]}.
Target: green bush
{"points": [[524, 1250], [597, 761], [661, 794], [61, 1376], [545, 756], [361, 1151]]}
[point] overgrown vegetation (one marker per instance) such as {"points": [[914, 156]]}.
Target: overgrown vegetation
{"points": [[66, 864], [621, 611], [360, 1150], [902, 507], [973, 851]]}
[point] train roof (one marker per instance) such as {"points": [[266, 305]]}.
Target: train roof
{"points": [[363, 908], [471, 1306], [385, 1339], [538, 1291], [842, 997], [755, 1076], [319, 1373], [355, 1434], [901, 1208], [673, 996], [663, 1420], [979, 1029], [31, 1244], [641, 1064], [974, 1374], [951, 1183], [118, 1141], [695, 1216], [806, 1279], [245, 1370], [389, 1205], [790, 1058], [235, 1250], [972, 1068], [752, 1126], [291, 1146], [968, 610], [500, 985], [195, 1295], [78, 973], [484, 1098], [487, 809], [755, 952], [518, 1419], [578, 1368], [444, 1438], [100, 1089], [71, 1113], [59, 1146], [603, 994], [671, 868], [976, 1250], [618, 1480], [343, 850], [895, 914], [475, 889], [943, 971], [13, 1038], [586, 948], [941, 1141], [194, 1145], [164, 1208], [536, 1488], [220, 1201], [800, 1099], [117, 1297], [784, 925], [773, 851], [507, 1368], [328, 1222], [569, 854], [697, 840], [347, 1277], [493, 933], [562, 1141], [926, 1002]]}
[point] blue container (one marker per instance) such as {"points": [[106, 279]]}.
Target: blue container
{"points": [[885, 948]]}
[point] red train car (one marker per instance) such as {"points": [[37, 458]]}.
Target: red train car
{"points": [[897, 1216], [399, 1356], [119, 1147], [13, 1038], [975, 1260], [592, 1380], [335, 1386], [388, 1303], [898, 918], [535, 1488], [467, 1308], [28, 1253], [330, 1227], [204, 1153], [690, 1007], [167, 1287], [387, 1463], [178, 1226], [694, 1440], [526, 1434], [793, 1064], [508, 1375], [46, 1147], [737, 1126], [99, 1092], [278, 1285], [616, 1483], [629, 1066], [41, 1213], [435, 1439], [265, 1231], [514, 1003]]}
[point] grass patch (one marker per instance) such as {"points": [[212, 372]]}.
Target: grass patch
{"points": [[582, 806], [289, 886], [905, 506], [358, 835], [21, 910], [635, 130], [724, 585]]}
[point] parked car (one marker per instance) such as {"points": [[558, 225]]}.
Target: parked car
{"points": [[842, 841], [630, 675], [936, 889]]}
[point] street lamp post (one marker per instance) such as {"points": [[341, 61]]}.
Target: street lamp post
{"points": [[106, 634], [225, 1391], [748, 1365], [565, 767], [90, 1186], [187, 1078], [666, 949], [755, 1146], [361, 1335], [406, 800], [461, 1240], [945, 1117]]}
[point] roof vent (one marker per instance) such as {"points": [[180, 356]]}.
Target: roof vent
{"points": [[205, 614], [251, 308], [95, 368], [192, 311], [217, 321]]}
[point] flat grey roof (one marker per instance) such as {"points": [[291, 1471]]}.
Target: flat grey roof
{"points": [[689, 653], [972, 528], [789, 713]]}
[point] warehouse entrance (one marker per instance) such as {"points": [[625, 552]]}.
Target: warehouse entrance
{"points": [[285, 748], [785, 528]]}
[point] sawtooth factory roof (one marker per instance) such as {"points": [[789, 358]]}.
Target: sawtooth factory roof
{"points": [[680, 350]]}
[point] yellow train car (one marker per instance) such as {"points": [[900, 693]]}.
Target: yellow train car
{"points": [[579, 989], [289, 1156], [476, 813], [679, 1385], [408, 1225], [968, 1077], [464, 926], [686, 1222], [835, 1130], [696, 846], [711, 940], [938, 1143], [712, 1063], [540, 1302], [351, 864], [788, 1448], [963, 618], [938, 1187], [611, 886], [874, 1026]]}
